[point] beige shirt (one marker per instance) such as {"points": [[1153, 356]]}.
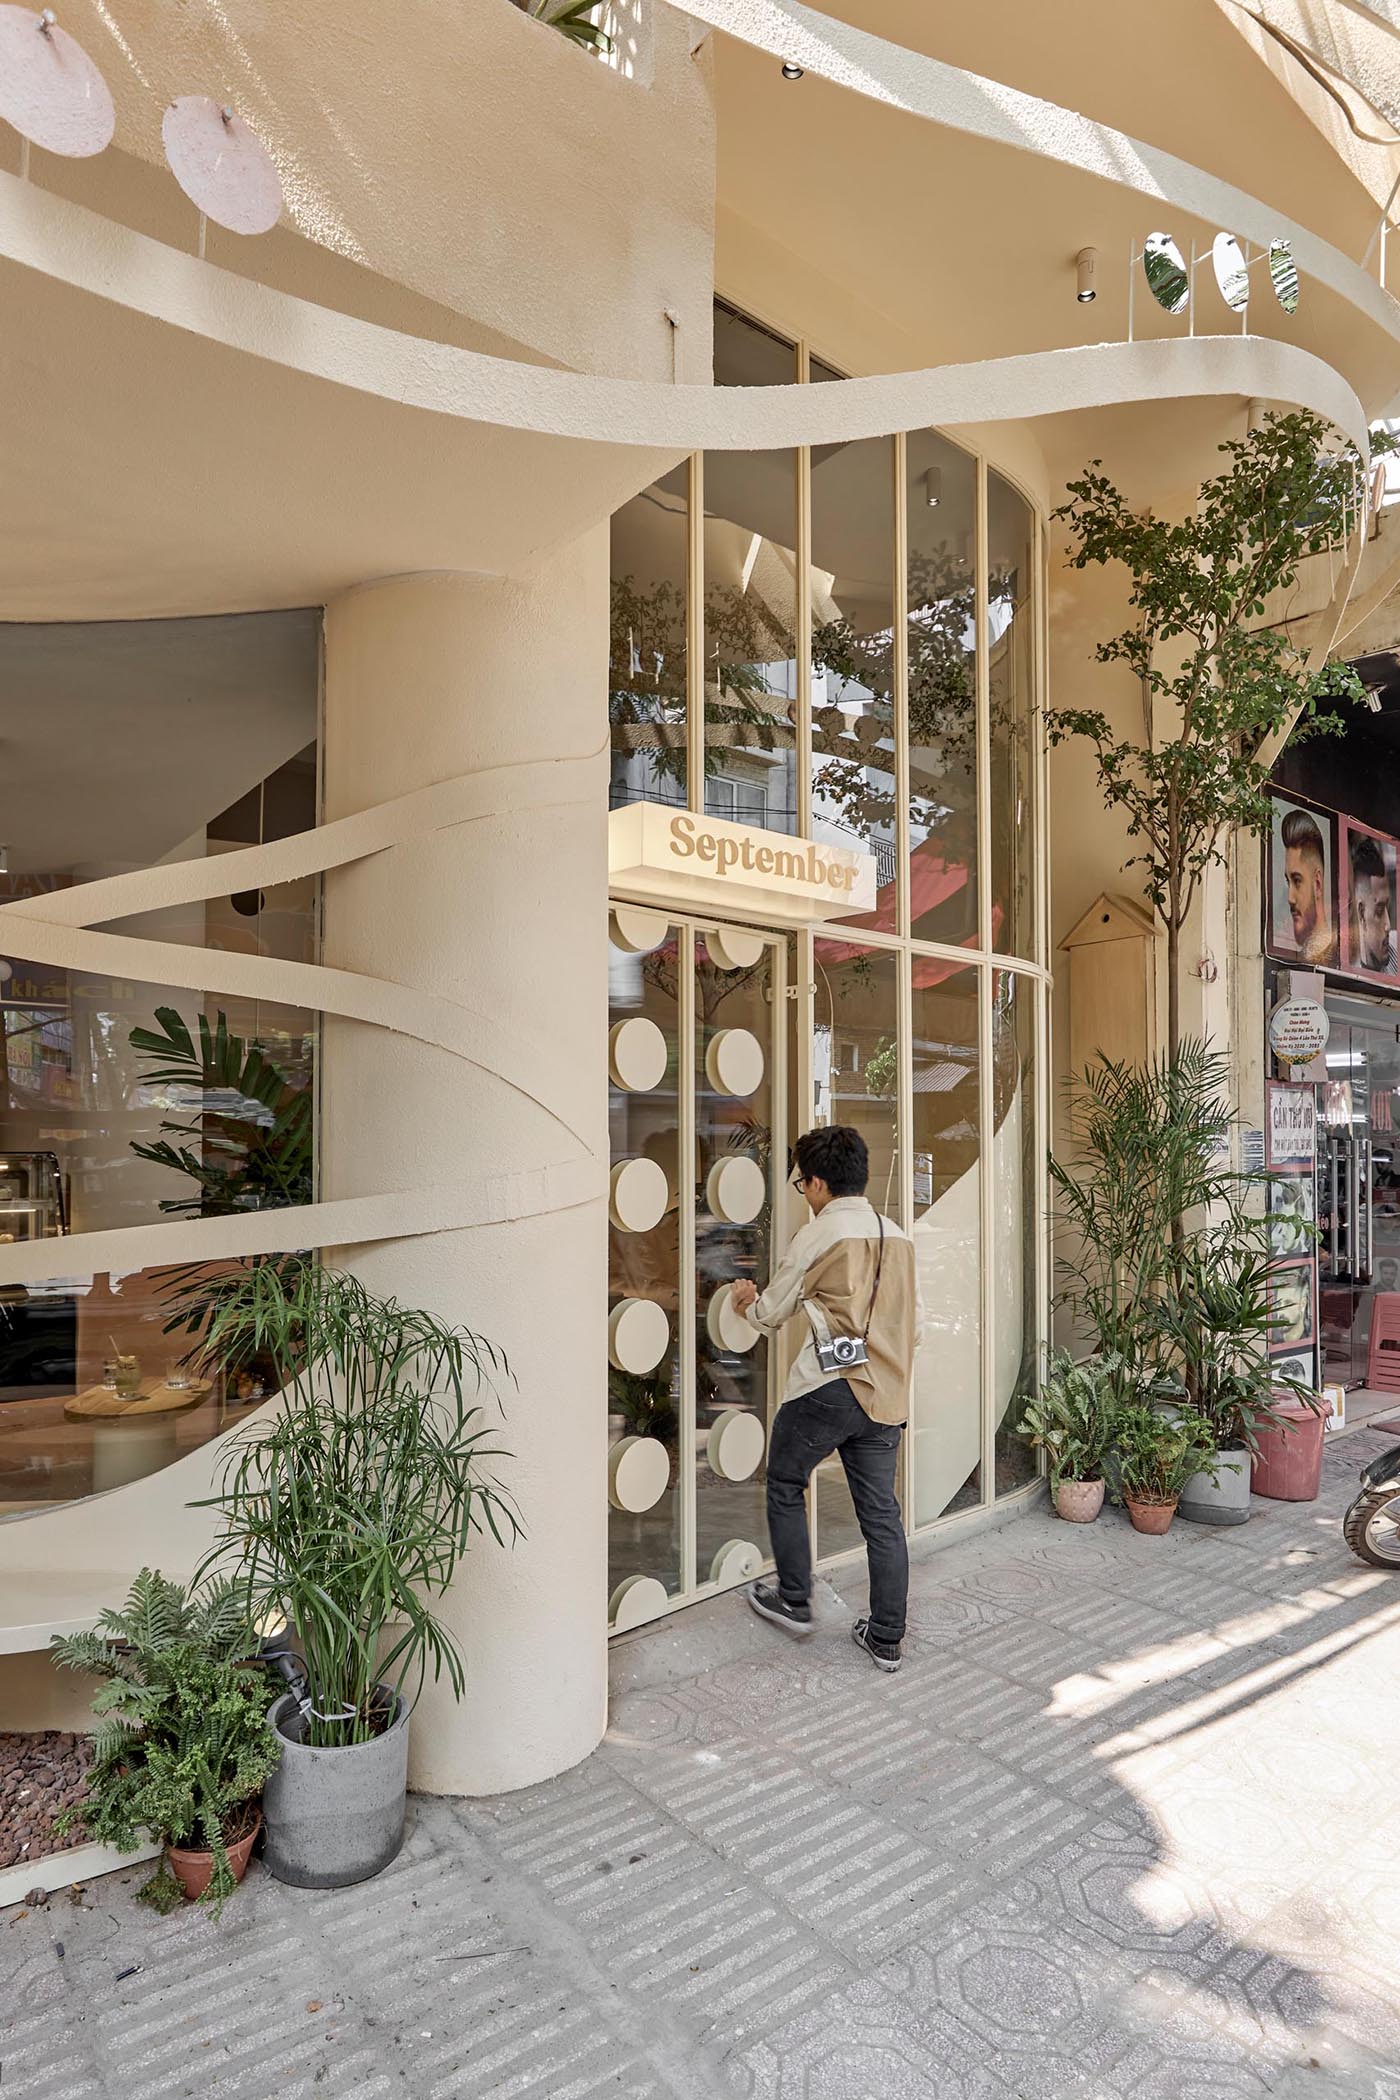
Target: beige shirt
{"points": [[830, 1263]]}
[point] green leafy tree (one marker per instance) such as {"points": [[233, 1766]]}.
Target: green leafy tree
{"points": [[1217, 685]]}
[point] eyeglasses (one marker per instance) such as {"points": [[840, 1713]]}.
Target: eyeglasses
{"points": [[799, 1181]]}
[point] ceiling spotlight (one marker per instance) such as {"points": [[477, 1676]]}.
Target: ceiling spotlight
{"points": [[933, 487], [791, 69], [1086, 265]]}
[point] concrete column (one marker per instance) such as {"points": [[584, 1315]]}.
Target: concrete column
{"points": [[427, 678]]}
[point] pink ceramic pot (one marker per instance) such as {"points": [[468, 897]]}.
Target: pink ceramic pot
{"points": [[1079, 1501]]}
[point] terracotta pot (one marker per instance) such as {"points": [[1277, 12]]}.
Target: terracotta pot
{"points": [[1079, 1501], [194, 1870], [1152, 1517]]}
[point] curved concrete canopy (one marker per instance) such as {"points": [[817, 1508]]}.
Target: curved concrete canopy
{"points": [[208, 444]]}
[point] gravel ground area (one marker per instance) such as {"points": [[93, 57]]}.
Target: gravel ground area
{"points": [[39, 1775], [1119, 1830]]}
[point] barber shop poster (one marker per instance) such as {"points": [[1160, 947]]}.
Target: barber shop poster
{"points": [[1366, 872], [1303, 886]]}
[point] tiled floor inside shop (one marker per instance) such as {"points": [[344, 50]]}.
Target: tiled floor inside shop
{"points": [[1124, 1825]]}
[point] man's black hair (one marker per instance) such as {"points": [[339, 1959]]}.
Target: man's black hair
{"points": [[1366, 857], [838, 1156]]}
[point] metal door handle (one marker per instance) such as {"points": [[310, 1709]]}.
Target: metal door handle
{"points": [[1352, 1192], [1333, 1193], [1367, 1261]]}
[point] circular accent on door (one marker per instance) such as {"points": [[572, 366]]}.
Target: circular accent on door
{"points": [[637, 1194], [734, 1062], [728, 1330], [636, 1055], [738, 1560], [639, 1473], [735, 1189], [735, 1444], [638, 1335], [635, 932], [734, 949], [634, 1601]]}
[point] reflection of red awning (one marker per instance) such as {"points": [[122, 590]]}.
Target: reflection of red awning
{"points": [[933, 879]]}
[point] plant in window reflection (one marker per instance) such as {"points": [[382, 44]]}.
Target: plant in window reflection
{"points": [[645, 1402], [882, 1070]]}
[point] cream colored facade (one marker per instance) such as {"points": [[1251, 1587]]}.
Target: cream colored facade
{"points": [[423, 410]]}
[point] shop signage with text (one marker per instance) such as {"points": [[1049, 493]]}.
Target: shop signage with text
{"points": [[676, 856]]}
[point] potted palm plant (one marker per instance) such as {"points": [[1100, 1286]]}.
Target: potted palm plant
{"points": [[1157, 1454], [182, 1746], [342, 1518], [1071, 1419]]}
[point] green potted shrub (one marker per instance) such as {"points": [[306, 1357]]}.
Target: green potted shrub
{"points": [[1071, 1419], [342, 1517], [1157, 1454], [182, 1746]]}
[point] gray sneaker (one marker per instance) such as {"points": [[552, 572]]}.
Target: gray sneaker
{"points": [[884, 1654], [768, 1601]]}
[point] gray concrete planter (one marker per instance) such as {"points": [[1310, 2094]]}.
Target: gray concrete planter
{"points": [[334, 1816], [1224, 1500]]}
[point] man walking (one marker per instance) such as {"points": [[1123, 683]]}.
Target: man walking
{"points": [[848, 1276]]}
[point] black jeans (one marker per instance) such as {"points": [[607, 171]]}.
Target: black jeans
{"points": [[806, 1431]]}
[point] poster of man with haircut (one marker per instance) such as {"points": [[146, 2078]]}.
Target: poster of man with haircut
{"points": [[1302, 920], [1369, 914]]}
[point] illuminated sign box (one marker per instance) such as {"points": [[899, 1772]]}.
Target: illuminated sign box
{"points": [[676, 857]]}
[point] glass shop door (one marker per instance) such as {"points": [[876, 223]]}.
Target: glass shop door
{"points": [[1358, 1181]]}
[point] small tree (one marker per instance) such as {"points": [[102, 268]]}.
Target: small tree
{"points": [[1216, 685]]}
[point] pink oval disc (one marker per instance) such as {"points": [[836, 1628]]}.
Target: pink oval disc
{"points": [[221, 165], [50, 90]]}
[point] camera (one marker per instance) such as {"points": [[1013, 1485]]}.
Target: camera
{"points": [[842, 1352]]}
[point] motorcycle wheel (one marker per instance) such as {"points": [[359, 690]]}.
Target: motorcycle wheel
{"points": [[1371, 1527]]}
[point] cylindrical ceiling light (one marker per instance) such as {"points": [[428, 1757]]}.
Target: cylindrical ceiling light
{"points": [[1086, 265], [791, 69]]}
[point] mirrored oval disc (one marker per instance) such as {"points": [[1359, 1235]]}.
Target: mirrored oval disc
{"points": [[735, 1189], [735, 1444], [50, 90], [222, 165], [1283, 275], [1165, 269], [1227, 259]]}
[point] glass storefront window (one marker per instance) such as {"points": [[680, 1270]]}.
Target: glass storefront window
{"points": [[941, 508], [176, 740], [1016, 1224], [854, 768], [1011, 613], [945, 1468], [647, 646], [750, 638]]}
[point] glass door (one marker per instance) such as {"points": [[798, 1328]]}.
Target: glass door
{"points": [[1358, 1192]]}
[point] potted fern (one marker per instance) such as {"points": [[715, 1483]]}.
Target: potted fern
{"points": [[1157, 1454], [343, 1518], [182, 1746], [1071, 1419]]}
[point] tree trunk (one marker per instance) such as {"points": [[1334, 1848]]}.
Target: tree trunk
{"points": [[1173, 987]]}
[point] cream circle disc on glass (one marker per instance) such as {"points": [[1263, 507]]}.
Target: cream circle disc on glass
{"points": [[638, 1335], [222, 165], [734, 949], [735, 1447], [636, 1055], [634, 1601], [735, 1189], [637, 1194], [639, 1472], [635, 932], [734, 1062], [50, 90], [738, 1560], [728, 1330]]}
